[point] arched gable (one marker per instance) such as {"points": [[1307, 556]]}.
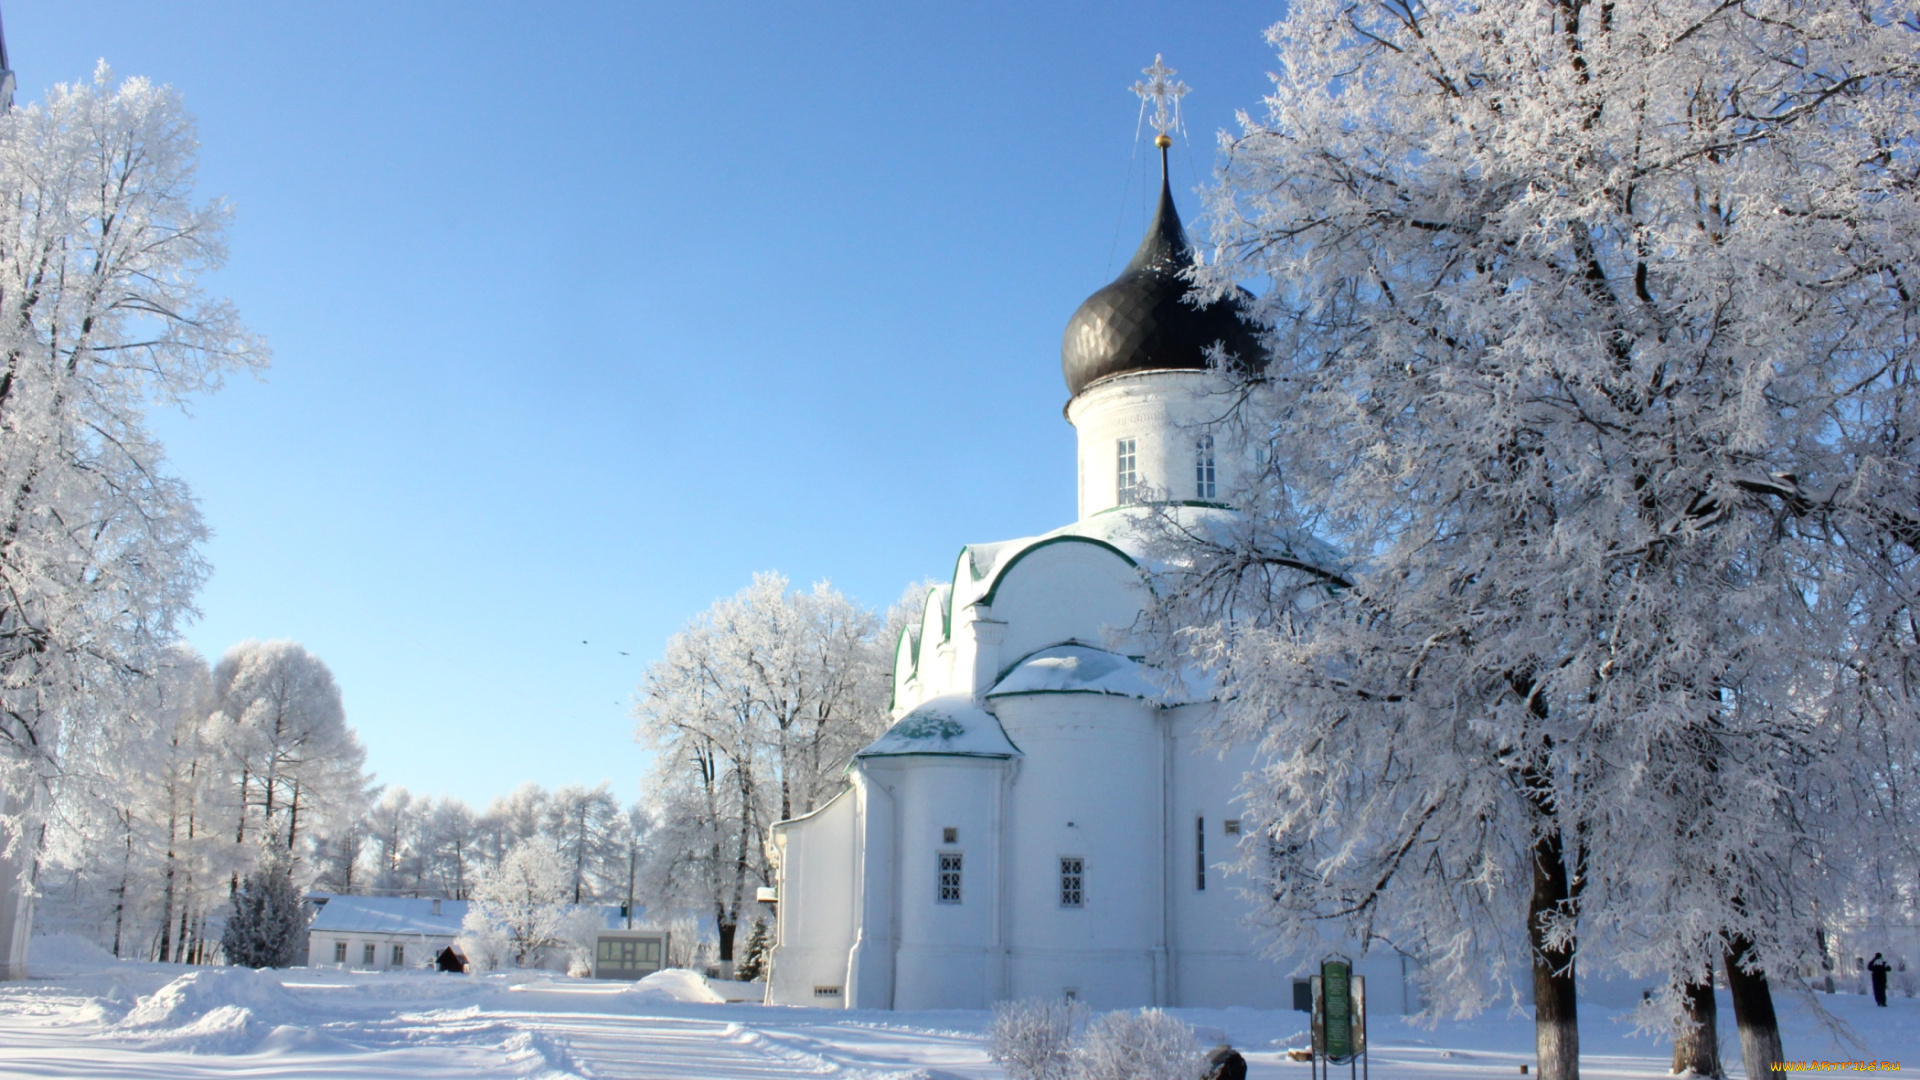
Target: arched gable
{"points": [[1066, 588]]}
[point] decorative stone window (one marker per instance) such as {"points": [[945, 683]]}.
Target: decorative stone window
{"points": [[949, 877], [1127, 471], [399, 956], [366, 955], [1203, 471], [826, 991], [949, 835], [1073, 878], [339, 952], [1233, 826]]}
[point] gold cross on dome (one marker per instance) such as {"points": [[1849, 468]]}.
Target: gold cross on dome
{"points": [[1164, 93]]}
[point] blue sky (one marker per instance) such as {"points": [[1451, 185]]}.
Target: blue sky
{"points": [[582, 313]]}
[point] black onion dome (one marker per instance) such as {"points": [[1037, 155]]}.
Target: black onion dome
{"points": [[1143, 322]]}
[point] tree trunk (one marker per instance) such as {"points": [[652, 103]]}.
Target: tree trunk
{"points": [[126, 881], [1696, 1036], [1760, 1043], [1556, 1027]]}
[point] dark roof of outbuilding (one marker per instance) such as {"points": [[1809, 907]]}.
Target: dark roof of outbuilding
{"points": [[1142, 320]]}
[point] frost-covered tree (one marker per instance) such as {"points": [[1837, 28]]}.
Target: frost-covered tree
{"points": [[449, 848], [754, 710], [265, 921], [101, 246], [392, 827], [1592, 351], [753, 964], [149, 835], [297, 764], [519, 908], [588, 829], [511, 819], [122, 861]]}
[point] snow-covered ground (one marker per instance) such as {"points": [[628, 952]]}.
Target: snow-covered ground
{"points": [[86, 1015]]}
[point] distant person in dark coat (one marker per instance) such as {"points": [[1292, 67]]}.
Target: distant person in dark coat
{"points": [[1877, 969], [1227, 1064]]}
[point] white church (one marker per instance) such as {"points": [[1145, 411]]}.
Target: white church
{"points": [[1043, 818]]}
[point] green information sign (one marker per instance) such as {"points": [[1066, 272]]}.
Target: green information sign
{"points": [[1336, 990]]}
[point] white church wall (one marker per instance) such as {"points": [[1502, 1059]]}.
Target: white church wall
{"points": [[1219, 956], [1213, 944], [1065, 589], [1086, 789], [949, 923], [814, 922]]}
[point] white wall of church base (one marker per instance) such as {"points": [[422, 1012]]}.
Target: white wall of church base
{"points": [[1104, 979], [945, 977]]}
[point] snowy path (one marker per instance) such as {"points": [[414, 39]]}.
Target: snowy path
{"points": [[113, 1020]]}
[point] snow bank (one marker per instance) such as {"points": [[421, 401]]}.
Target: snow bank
{"points": [[198, 994], [673, 984], [218, 1011]]}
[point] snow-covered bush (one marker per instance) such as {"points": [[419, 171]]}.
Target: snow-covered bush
{"points": [[577, 933], [1034, 1039], [687, 946], [265, 922], [1144, 1045], [482, 941]]}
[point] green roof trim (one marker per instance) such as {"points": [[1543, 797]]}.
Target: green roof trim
{"points": [[1001, 574], [909, 641]]}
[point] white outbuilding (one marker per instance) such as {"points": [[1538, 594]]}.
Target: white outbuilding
{"points": [[1046, 816], [380, 932]]}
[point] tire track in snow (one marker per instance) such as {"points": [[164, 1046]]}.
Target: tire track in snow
{"points": [[671, 1048]]}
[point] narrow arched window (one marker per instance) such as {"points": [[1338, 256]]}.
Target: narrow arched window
{"points": [[1203, 474], [1127, 472]]}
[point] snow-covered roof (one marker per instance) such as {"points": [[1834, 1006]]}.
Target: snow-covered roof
{"points": [[388, 915], [1076, 669], [1073, 668], [342, 914], [952, 726]]}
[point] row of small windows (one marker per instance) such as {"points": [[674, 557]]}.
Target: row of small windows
{"points": [[1073, 874], [1073, 879], [1128, 487], [368, 953]]}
